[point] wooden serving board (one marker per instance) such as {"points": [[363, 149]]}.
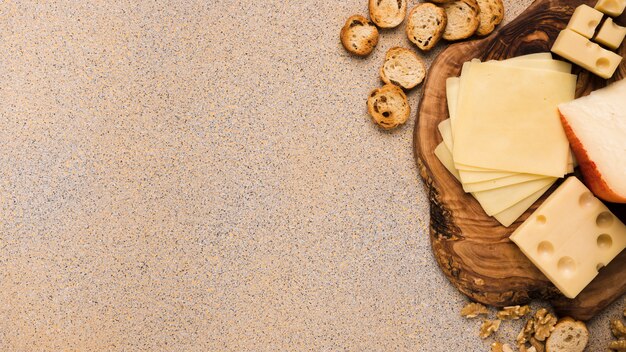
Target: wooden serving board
{"points": [[473, 249]]}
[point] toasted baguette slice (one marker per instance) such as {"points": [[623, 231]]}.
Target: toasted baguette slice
{"points": [[387, 13], [403, 68], [359, 36], [425, 25], [388, 106], [596, 128], [463, 19], [491, 14], [569, 335]]}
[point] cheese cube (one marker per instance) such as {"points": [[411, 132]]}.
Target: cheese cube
{"points": [[585, 20], [571, 236], [611, 35], [611, 7], [590, 56]]}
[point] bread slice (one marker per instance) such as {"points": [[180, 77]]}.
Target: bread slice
{"points": [[359, 36], [388, 106], [425, 25], [569, 335], [491, 15], [387, 13], [595, 126], [403, 68], [463, 19]]}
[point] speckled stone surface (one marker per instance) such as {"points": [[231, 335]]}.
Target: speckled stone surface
{"points": [[203, 176]]}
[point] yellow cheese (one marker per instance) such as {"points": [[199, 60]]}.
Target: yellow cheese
{"points": [[511, 200], [570, 236], [518, 128], [443, 154], [497, 200], [588, 55], [611, 7], [585, 20], [611, 35], [452, 92], [445, 129], [509, 215], [500, 182], [536, 56]]}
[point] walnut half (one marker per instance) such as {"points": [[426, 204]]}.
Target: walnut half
{"points": [[489, 327], [544, 324], [618, 329], [499, 347], [472, 310], [513, 312], [619, 345]]}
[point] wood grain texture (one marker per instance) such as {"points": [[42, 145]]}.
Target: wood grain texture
{"points": [[472, 249]]}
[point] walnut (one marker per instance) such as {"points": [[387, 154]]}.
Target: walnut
{"points": [[472, 310], [489, 327], [514, 312], [618, 329], [523, 348], [526, 333], [544, 324], [619, 345], [499, 347], [538, 345]]}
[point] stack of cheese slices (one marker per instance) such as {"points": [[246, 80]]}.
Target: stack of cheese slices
{"points": [[504, 140]]}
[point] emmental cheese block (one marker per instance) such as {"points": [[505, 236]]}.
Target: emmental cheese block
{"points": [[612, 8], [571, 236], [611, 35], [590, 56], [585, 20]]}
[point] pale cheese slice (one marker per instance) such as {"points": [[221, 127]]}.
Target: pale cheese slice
{"points": [[445, 129], [517, 129], [445, 156], [501, 182], [570, 236], [510, 199], [508, 216], [497, 200]]}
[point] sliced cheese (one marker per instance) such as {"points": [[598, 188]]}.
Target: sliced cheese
{"points": [[518, 128], [535, 56], [445, 129], [445, 156], [508, 216], [497, 200], [500, 182], [571, 236]]}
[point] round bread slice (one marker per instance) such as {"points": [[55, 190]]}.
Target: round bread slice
{"points": [[403, 68], [388, 106], [359, 36], [387, 13], [425, 25], [463, 19], [491, 14], [569, 335]]}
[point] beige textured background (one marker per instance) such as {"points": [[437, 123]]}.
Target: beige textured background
{"points": [[202, 176]]}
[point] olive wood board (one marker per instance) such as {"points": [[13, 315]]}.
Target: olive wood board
{"points": [[473, 249]]}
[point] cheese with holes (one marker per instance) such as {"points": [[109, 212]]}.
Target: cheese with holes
{"points": [[588, 55], [518, 128], [611, 35], [611, 7], [585, 20], [571, 236]]}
